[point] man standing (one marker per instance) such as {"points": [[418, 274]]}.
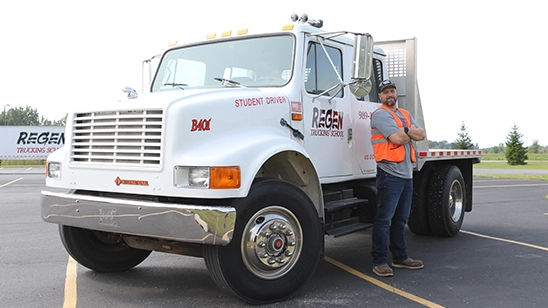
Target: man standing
{"points": [[392, 130]]}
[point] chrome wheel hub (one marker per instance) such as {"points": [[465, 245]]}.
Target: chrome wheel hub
{"points": [[271, 242], [456, 197]]}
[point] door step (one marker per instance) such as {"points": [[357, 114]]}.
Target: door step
{"points": [[340, 208], [347, 228]]}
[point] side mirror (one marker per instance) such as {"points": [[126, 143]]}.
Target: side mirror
{"points": [[146, 75], [149, 67], [363, 61]]}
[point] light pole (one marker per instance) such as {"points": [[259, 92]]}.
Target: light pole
{"points": [[5, 113]]}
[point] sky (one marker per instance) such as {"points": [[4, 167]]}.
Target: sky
{"points": [[480, 62]]}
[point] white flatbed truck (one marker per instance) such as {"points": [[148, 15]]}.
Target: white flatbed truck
{"points": [[245, 149]]}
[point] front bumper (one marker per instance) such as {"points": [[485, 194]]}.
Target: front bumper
{"points": [[213, 225]]}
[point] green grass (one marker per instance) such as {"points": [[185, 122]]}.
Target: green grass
{"points": [[22, 163], [498, 161], [530, 177], [500, 156], [497, 164]]}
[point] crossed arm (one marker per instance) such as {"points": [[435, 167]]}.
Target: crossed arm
{"points": [[414, 133]]}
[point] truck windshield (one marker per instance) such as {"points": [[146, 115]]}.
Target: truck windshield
{"points": [[249, 62]]}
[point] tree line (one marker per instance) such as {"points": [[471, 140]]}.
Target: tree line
{"points": [[514, 150], [19, 116]]}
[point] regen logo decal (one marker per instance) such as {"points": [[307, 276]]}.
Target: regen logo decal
{"points": [[327, 123]]}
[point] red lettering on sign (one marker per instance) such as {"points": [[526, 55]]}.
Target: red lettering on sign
{"points": [[200, 125], [248, 102], [31, 150], [259, 101], [275, 100]]}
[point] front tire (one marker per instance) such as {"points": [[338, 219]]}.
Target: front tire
{"points": [[276, 245], [100, 251], [447, 201]]}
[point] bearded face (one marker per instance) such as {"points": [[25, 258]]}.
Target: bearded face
{"points": [[389, 96]]}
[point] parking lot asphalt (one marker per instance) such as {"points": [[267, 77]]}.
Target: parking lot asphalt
{"points": [[497, 260]]}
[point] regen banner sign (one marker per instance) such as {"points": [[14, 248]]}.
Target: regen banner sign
{"points": [[30, 142]]}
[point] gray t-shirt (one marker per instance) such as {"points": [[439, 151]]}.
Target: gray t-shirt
{"points": [[383, 121]]}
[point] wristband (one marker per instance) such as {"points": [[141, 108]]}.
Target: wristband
{"points": [[406, 130]]}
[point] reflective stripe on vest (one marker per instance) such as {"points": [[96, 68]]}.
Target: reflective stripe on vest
{"points": [[385, 150]]}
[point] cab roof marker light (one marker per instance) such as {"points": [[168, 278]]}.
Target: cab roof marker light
{"points": [[226, 33], [211, 36], [242, 31], [288, 27]]}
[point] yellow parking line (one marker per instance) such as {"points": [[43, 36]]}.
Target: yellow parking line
{"points": [[70, 285], [381, 284], [505, 240]]}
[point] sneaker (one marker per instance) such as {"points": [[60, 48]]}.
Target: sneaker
{"points": [[409, 264], [383, 270]]}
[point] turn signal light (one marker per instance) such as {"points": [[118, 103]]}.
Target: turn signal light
{"points": [[297, 116], [224, 177]]}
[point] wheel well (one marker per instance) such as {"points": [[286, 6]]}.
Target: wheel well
{"points": [[297, 169]]}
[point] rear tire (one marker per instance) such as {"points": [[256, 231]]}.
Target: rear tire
{"points": [[276, 246], [447, 198], [100, 251], [418, 218]]}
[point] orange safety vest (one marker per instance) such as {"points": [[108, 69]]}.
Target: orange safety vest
{"points": [[385, 150]]}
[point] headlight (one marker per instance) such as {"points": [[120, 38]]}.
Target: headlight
{"points": [[198, 177], [54, 170], [207, 177]]}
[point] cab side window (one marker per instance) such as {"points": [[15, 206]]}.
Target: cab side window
{"points": [[376, 79], [319, 74]]}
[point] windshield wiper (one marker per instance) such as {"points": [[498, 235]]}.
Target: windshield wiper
{"points": [[229, 83], [173, 84]]}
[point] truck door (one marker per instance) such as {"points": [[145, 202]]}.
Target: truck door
{"points": [[327, 114]]}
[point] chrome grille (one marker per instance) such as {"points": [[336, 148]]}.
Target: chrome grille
{"points": [[131, 137]]}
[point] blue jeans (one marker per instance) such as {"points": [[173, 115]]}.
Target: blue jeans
{"points": [[394, 204]]}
